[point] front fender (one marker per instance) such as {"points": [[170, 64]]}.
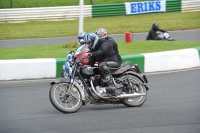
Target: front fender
{"points": [[67, 80], [61, 80]]}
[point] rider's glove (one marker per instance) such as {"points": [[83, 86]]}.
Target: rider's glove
{"points": [[89, 55]]}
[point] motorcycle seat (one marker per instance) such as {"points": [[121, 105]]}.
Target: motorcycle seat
{"points": [[125, 66]]}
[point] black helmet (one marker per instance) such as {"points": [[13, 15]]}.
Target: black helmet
{"points": [[155, 26]]}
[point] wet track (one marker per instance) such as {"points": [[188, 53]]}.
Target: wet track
{"points": [[172, 106]]}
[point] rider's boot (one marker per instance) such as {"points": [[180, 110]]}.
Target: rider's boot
{"points": [[110, 85]]}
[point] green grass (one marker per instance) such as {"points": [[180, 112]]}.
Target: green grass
{"points": [[114, 25], [48, 3], [58, 51]]}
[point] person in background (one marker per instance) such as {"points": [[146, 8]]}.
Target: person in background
{"points": [[152, 35], [103, 34], [102, 52]]}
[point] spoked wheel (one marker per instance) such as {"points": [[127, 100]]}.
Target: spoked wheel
{"points": [[137, 88], [65, 103]]}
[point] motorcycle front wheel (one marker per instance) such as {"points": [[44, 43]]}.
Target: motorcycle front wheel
{"points": [[138, 87], [69, 103]]}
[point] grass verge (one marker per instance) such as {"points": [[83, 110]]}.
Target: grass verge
{"points": [[114, 25], [59, 51]]}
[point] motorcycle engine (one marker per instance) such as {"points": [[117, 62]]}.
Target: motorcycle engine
{"points": [[99, 89]]}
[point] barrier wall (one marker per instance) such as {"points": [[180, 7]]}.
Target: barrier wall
{"points": [[171, 60], [44, 13], [27, 69], [105, 10], [148, 62], [190, 5], [72, 12], [173, 5]]}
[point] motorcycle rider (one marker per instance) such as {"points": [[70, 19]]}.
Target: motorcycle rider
{"points": [[103, 34], [152, 35], [70, 55], [81, 38], [103, 53]]}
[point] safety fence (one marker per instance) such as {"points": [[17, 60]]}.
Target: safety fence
{"points": [[101, 10], [44, 13], [182, 5], [105, 10], [190, 5], [173, 5]]}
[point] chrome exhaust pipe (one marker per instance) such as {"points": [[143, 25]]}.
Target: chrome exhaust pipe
{"points": [[119, 96], [131, 95]]}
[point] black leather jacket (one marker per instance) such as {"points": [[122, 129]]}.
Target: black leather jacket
{"points": [[103, 52], [115, 47]]}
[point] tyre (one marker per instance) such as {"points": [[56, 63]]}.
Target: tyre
{"points": [[138, 88], [62, 102]]}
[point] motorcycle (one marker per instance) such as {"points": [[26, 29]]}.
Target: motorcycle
{"points": [[85, 85], [164, 36]]}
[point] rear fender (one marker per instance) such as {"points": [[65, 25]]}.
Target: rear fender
{"points": [[67, 80], [143, 79]]}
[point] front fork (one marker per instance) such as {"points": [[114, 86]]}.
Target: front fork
{"points": [[72, 77]]}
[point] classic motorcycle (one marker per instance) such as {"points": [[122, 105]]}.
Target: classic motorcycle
{"points": [[85, 85]]}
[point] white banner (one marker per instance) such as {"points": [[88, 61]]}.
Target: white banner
{"points": [[145, 7]]}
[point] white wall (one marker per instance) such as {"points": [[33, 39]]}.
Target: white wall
{"points": [[171, 60], [27, 68], [46, 68]]}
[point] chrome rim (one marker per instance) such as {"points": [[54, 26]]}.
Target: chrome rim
{"points": [[66, 102], [138, 89]]}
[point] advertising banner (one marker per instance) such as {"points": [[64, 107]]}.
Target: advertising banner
{"points": [[145, 7]]}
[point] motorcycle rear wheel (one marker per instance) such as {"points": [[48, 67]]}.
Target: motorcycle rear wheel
{"points": [[63, 103], [139, 88]]}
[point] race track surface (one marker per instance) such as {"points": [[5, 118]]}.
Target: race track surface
{"points": [[172, 106]]}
